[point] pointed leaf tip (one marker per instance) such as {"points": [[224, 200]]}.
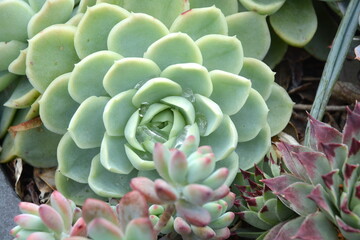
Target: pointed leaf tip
{"points": [[147, 188]]}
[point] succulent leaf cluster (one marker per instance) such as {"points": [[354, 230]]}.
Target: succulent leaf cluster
{"points": [[322, 182], [61, 220], [191, 184]]}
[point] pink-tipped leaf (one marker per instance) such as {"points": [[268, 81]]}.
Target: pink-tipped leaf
{"points": [[63, 207], [217, 178], [181, 226], [100, 229], [27, 207], [192, 214], [79, 228], [161, 158], [165, 191], [352, 127], [147, 188], [40, 236], [198, 194], [51, 218], [178, 167], [94, 208], [140, 228]]}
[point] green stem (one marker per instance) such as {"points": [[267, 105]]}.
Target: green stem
{"points": [[334, 62]]}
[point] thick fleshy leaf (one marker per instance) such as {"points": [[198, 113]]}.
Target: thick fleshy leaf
{"points": [[147, 188], [50, 54], [140, 228], [231, 163], [197, 194], [287, 231], [278, 184], [132, 36], [200, 168], [154, 90], [94, 27], [318, 195], [6, 78], [255, 43], [268, 212], [230, 91], [223, 140], [63, 207], [193, 214], [18, 66], [101, 228], [253, 151], [161, 157], [94, 208], [51, 218], [166, 13], [113, 155], [120, 108], [351, 128], [260, 75], [40, 236], [263, 7], [354, 152], [9, 52], [251, 118], [166, 192], [172, 49], [14, 18], [23, 95], [223, 221], [30, 222], [86, 79], [181, 226], [205, 232], [221, 52], [140, 161], [178, 167], [295, 22], [129, 73], [227, 7], [277, 50], [183, 105], [192, 78], [106, 183], [253, 219], [280, 109], [347, 231], [73, 161], [200, 22], [55, 115], [86, 126], [52, 12]]}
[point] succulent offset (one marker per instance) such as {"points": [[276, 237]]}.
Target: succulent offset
{"points": [[191, 186], [97, 220], [322, 184]]}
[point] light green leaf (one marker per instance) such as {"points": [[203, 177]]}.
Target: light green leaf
{"points": [[251, 118], [232, 164], [18, 66], [94, 27], [221, 53], [230, 91], [255, 43], [280, 109], [86, 127], [50, 54], [6, 78], [14, 18], [228, 7], [259, 74], [200, 22], [172, 49], [277, 50], [295, 22], [183, 105], [86, 79], [265, 7], [73, 161], [9, 52], [23, 95], [129, 73], [51, 12], [132, 36], [56, 115], [137, 161]]}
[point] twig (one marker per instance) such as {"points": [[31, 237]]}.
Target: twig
{"points": [[331, 108]]}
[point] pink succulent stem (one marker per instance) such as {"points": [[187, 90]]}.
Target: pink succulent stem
{"points": [[169, 210]]}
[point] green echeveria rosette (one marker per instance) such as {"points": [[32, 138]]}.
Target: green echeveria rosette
{"points": [[139, 82]]}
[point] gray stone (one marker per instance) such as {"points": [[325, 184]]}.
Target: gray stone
{"points": [[8, 206]]}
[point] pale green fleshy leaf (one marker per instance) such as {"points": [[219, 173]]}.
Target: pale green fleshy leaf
{"points": [[75, 20], [6, 78], [129, 73], [140, 228], [251, 118], [94, 27], [277, 50], [280, 109], [113, 156], [117, 112], [172, 49], [189, 130], [14, 18], [165, 11], [154, 90], [151, 111], [137, 161], [253, 151], [18, 66], [208, 114], [109, 184], [84, 5], [295, 22], [221, 53], [132, 36], [265, 7], [55, 114], [23, 96], [73, 161], [77, 192], [232, 164], [86, 79], [200, 22], [230, 91], [178, 124], [9, 52], [50, 54], [259, 74], [255, 43], [227, 7], [192, 77], [115, 2], [7, 116], [223, 140], [131, 129], [86, 127], [36, 4], [52, 12], [183, 105], [33, 110]]}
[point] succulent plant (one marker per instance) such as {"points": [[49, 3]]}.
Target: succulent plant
{"points": [[96, 220], [322, 182], [191, 186], [185, 87]]}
